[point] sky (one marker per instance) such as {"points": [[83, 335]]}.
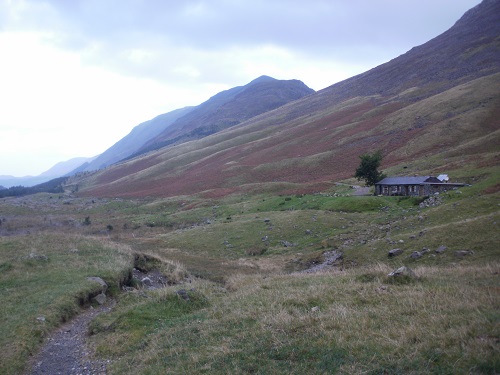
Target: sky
{"points": [[77, 75]]}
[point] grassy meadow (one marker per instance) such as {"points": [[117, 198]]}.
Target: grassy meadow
{"points": [[252, 306]]}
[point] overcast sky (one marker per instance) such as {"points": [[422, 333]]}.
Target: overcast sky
{"points": [[77, 75]]}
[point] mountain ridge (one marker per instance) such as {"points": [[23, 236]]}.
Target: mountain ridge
{"points": [[195, 122], [228, 108], [416, 68], [133, 141], [423, 105]]}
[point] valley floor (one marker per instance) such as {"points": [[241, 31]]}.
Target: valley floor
{"points": [[239, 294]]}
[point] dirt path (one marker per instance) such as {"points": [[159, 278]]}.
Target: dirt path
{"points": [[66, 352]]}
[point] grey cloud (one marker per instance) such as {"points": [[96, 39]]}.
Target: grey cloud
{"points": [[173, 33], [307, 25]]}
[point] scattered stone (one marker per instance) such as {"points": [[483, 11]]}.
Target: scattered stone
{"points": [[308, 232], [425, 250], [463, 253], [441, 249], [41, 318], [265, 238], [416, 255], [401, 241], [394, 252], [100, 299], [331, 259], [287, 244], [315, 309], [100, 281], [267, 220], [35, 256], [402, 271], [183, 294], [431, 202], [147, 281], [412, 237]]}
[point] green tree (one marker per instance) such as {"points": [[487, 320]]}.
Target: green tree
{"points": [[368, 168]]}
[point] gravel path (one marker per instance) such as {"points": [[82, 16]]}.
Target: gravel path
{"points": [[66, 351]]}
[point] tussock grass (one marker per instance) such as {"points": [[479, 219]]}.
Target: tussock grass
{"points": [[173, 270], [324, 323]]}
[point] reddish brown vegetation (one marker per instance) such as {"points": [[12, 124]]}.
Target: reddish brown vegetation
{"points": [[438, 100], [308, 153]]}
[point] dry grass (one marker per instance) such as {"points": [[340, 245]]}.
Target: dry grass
{"points": [[352, 322]]}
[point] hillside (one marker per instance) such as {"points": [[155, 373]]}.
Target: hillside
{"points": [[433, 109], [468, 50], [229, 108], [132, 142], [223, 110], [250, 251]]}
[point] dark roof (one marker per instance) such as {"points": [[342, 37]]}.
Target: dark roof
{"points": [[414, 180]]}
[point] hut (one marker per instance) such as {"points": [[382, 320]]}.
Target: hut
{"points": [[413, 186]]}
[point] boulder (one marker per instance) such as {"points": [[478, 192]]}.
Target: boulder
{"points": [[463, 253], [103, 284], [403, 271], [394, 252], [441, 249], [416, 255], [100, 299]]}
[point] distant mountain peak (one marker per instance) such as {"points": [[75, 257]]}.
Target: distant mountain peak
{"points": [[261, 79]]}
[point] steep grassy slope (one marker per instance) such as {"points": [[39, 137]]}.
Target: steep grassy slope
{"points": [[433, 109], [468, 50], [309, 149], [229, 108]]}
